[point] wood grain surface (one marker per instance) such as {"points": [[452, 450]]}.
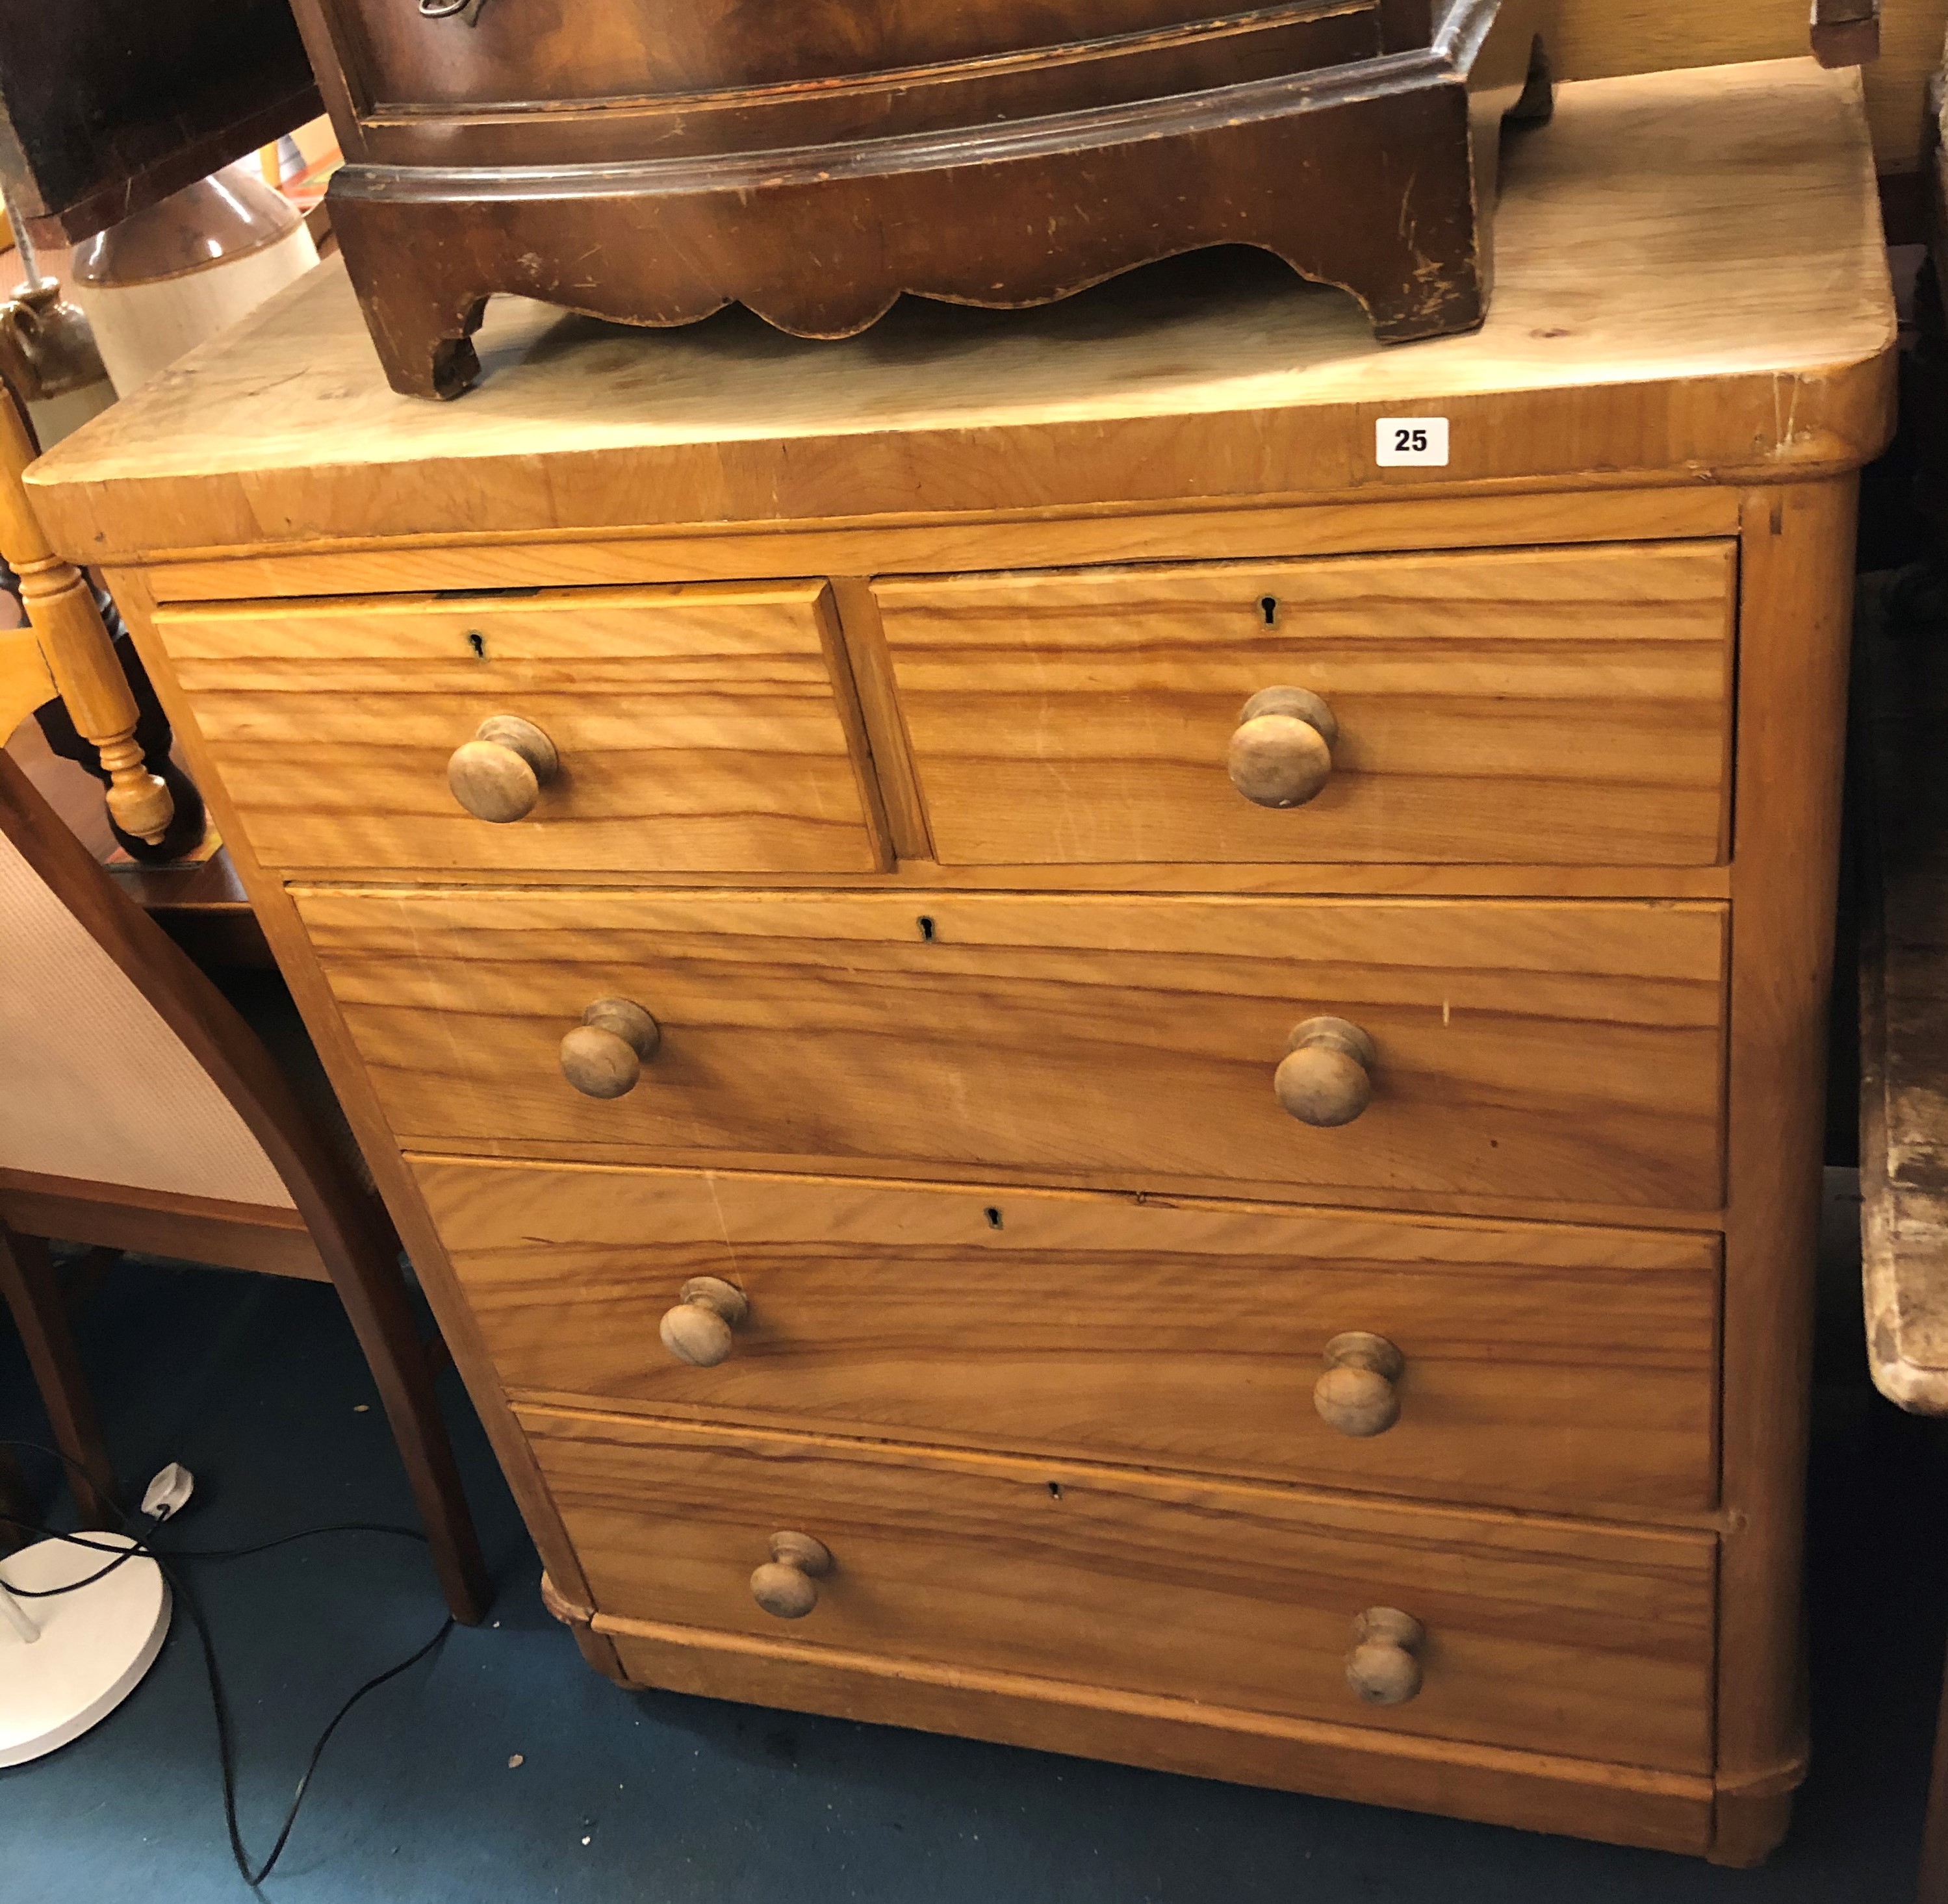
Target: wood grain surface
{"points": [[1795, 630], [1546, 1366], [298, 966], [997, 183], [1537, 1791], [698, 729], [704, 81], [1563, 1050], [919, 542], [268, 1239], [1543, 1634], [1690, 278], [1591, 39], [1570, 704]]}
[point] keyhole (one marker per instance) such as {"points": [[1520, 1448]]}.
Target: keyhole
{"points": [[993, 1216], [925, 929], [478, 643], [1268, 608], [1055, 1491]]}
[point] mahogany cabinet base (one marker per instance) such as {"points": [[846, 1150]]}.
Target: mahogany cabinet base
{"points": [[1378, 176], [1534, 1791]]}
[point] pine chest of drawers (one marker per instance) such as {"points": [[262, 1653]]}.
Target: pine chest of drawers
{"points": [[1072, 1058]]}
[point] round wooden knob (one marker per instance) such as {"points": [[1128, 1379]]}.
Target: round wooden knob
{"points": [[698, 1330], [786, 1586], [1356, 1394], [602, 1057], [1384, 1667], [1324, 1079], [499, 775], [1281, 754]]}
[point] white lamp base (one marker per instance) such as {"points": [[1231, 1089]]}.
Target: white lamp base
{"points": [[93, 1648]]}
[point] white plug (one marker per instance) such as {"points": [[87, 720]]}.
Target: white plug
{"points": [[168, 1493]]}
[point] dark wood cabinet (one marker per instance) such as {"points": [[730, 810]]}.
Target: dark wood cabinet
{"points": [[107, 108], [652, 163]]}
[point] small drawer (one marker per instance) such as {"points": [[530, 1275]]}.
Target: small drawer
{"points": [[1559, 706], [1540, 1051], [1519, 1631], [1533, 1366], [705, 729]]}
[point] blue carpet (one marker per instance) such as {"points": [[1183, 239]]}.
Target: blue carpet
{"points": [[257, 1385]]}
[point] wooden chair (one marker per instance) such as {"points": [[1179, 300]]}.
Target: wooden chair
{"points": [[138, 1110]]}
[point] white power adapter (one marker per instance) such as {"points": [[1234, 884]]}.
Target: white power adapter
{"points": [[168, 1493]]}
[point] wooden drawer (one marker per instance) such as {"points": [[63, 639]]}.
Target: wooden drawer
{"points": [[1556, 1051], [1544, 1365], [1541, 1634], [698, 729], [1570, 706]]}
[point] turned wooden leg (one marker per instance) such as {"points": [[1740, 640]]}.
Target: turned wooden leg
{"points": [[81, 659], [27, 1282], [155, 737]]}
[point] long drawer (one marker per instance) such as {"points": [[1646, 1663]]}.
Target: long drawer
{"points": [[1554, 1051], [1525, 1631], [694, 729], [1566, 706], [1533, 1365]]}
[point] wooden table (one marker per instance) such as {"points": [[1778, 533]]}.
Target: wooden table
{"points": [[958, 1205], [201, 904]]}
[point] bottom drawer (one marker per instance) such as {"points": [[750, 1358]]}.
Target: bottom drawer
{"points": [[1594, 1642]]}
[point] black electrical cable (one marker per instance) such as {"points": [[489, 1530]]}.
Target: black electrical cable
{"points": [[225, 1745], [218, 1701]]}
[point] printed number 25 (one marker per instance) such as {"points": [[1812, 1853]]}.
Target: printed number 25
{"points": [[1406, 440]]}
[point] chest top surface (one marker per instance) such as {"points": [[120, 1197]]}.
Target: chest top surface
{"points": [[1690, 285]]}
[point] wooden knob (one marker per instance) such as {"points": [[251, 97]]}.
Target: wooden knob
{"points": [[602, 1057], [786, 1586], [1384, 1667], [1281, 754], [1324, 1079], [499, 775], [698, 1329], [1356, 1394]]}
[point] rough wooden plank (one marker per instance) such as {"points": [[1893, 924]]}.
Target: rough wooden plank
{"points": [[1903, 737]]}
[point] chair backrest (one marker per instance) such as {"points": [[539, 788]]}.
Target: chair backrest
{"points": [[98, 1084]]}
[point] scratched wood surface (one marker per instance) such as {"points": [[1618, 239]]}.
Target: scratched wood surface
{"points": [[1557, 1049], [1541, 1633], [1657, 315], [699, 728], [1570, 704], [1546, 1365]]}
